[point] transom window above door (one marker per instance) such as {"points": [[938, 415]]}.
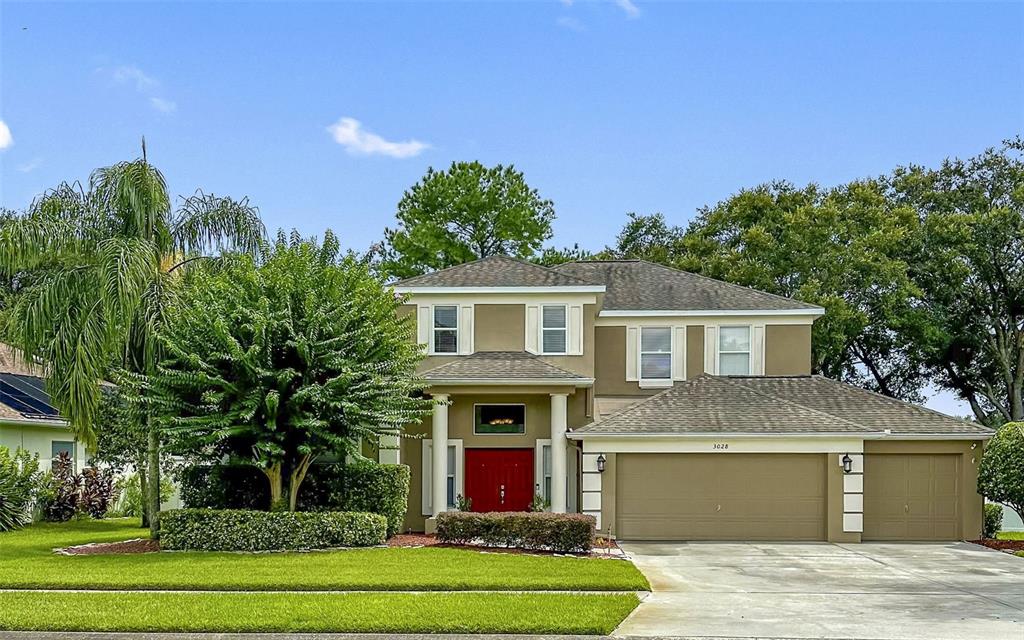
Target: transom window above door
{"points": [[554, 329], [499, 418], [656, 354], [734, 351], [446, 329]]}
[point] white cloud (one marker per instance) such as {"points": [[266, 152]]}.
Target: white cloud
{"points": [[134, 75], [5, 136], [571, 23], [349, 133], [162, 105], [631, 10], [31, 165]]}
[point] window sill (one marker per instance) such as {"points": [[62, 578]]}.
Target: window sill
{"points": [[655, 384]]}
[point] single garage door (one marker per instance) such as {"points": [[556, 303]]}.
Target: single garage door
{"points": [[725, 496], [911, 497]]}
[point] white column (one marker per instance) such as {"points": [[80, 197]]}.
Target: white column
{"points": [[439, 456], [559, 420]]}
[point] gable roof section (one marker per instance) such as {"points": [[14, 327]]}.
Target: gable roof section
{"points": [[23, 396], [784, 405], [502, 367], [497, 272], [638, 285]]}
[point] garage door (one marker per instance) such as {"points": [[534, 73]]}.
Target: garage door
{"points": [[727, 496], [911, 497]]}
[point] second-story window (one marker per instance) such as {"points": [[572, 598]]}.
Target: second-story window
{"points": [[656, 353], [734, 351], [446, 329], [554, 329]]}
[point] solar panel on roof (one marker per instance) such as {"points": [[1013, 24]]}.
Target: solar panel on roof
{"points": [[26, 395]]}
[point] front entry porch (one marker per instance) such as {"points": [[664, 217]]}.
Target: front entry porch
{"points": [[500, 479]]}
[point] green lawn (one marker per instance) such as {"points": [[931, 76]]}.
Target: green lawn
{"points": [[1010, 535], [309, 612], [27, 561]]}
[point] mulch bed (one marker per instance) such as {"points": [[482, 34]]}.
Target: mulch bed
{"points": [[602, 546], [1001, 545], [128, 546]]}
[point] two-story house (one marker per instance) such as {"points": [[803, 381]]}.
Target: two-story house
{"points": [[668, 406]]}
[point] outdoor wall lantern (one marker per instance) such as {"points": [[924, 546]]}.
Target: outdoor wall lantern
{"points": [[847, 463], [600, 463]]}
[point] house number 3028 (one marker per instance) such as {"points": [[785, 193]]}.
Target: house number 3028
{"points": [[721, 446]]}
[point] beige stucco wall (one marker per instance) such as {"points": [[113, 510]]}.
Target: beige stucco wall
{"points": [[787, 350], [499, 327], [694, 350], [460, 427], [972, 504], [610, 361]]}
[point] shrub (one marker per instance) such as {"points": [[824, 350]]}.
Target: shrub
{"points": [[993, 520], [1001, 472], [563, 532], [128, 492], [359, 486], [223, 486], [60, 498], [19, 484], [241, 530], [97, 492]]}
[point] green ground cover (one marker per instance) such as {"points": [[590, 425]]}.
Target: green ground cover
{"points": [[1010, 535], [27, 561]]}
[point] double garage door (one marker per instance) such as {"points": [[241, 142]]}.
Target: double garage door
{"points": [[731, 496]]}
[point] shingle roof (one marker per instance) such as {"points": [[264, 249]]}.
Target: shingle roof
{"points": [[636, 285], [23, 394], [486, 366], [777, 405], [495, 271]]}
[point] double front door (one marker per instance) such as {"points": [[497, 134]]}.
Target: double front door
{"points": [[499, 479]]}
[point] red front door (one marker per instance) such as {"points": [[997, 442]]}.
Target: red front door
{"points": [[499, 479]]}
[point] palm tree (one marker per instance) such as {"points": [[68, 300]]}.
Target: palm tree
{"points": [[98, 269]]}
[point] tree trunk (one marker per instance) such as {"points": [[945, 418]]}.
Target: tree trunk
{"points": [[273, 474], [154, 479], [297, 476], [141, 471]]}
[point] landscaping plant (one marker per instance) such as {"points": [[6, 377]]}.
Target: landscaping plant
{"points": [[244, 530], [60, 501], [284, 358], [993, 521], [563, 532], [19, 483], [1001, 472]]}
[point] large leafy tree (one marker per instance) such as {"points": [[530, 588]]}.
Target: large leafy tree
{"points": [[970, 270], [286, 358], [1001, 472], [99, 266], [466, 212]]}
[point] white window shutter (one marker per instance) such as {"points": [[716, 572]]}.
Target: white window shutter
{"points": [[632, 347], [426, 468], [466, 331], [575, 330], [679, 353], [423, 325], [532, 328], [757, 351], [710, 350]]}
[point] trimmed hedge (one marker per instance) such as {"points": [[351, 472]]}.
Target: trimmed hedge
{"points": [[563, 532], [359, 486], [240, 530]]}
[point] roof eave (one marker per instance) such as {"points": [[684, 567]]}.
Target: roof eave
{"points": [[580, 435], [621, 313], [561, 382], [525, 289]]}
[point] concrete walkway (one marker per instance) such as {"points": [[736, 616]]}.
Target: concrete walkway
{"points": [[956, 591]]}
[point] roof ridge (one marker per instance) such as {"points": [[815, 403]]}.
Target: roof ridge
{"points": [[904, 403], [776, 398], [726, 282], [501, 256]]}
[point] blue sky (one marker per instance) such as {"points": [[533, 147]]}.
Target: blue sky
{"points": [[608, 107]]}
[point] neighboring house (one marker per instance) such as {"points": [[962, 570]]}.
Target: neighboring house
{"points": [[668, 406], [27, 419]]}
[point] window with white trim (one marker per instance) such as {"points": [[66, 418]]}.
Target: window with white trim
{"points": [[450, 481], [554, 332], [545, 474], [446, 329], [656, 353], [734, 351]]}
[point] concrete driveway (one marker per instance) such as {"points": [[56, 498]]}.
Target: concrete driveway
{"points": [[955, 591]]}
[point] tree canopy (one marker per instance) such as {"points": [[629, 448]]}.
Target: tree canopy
{"points": [[1001, 472], [285, 358], [466, 212]]}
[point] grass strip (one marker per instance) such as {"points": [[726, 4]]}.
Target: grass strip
{"points": [[1010, 535], [27, 561], [279, 612]]}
